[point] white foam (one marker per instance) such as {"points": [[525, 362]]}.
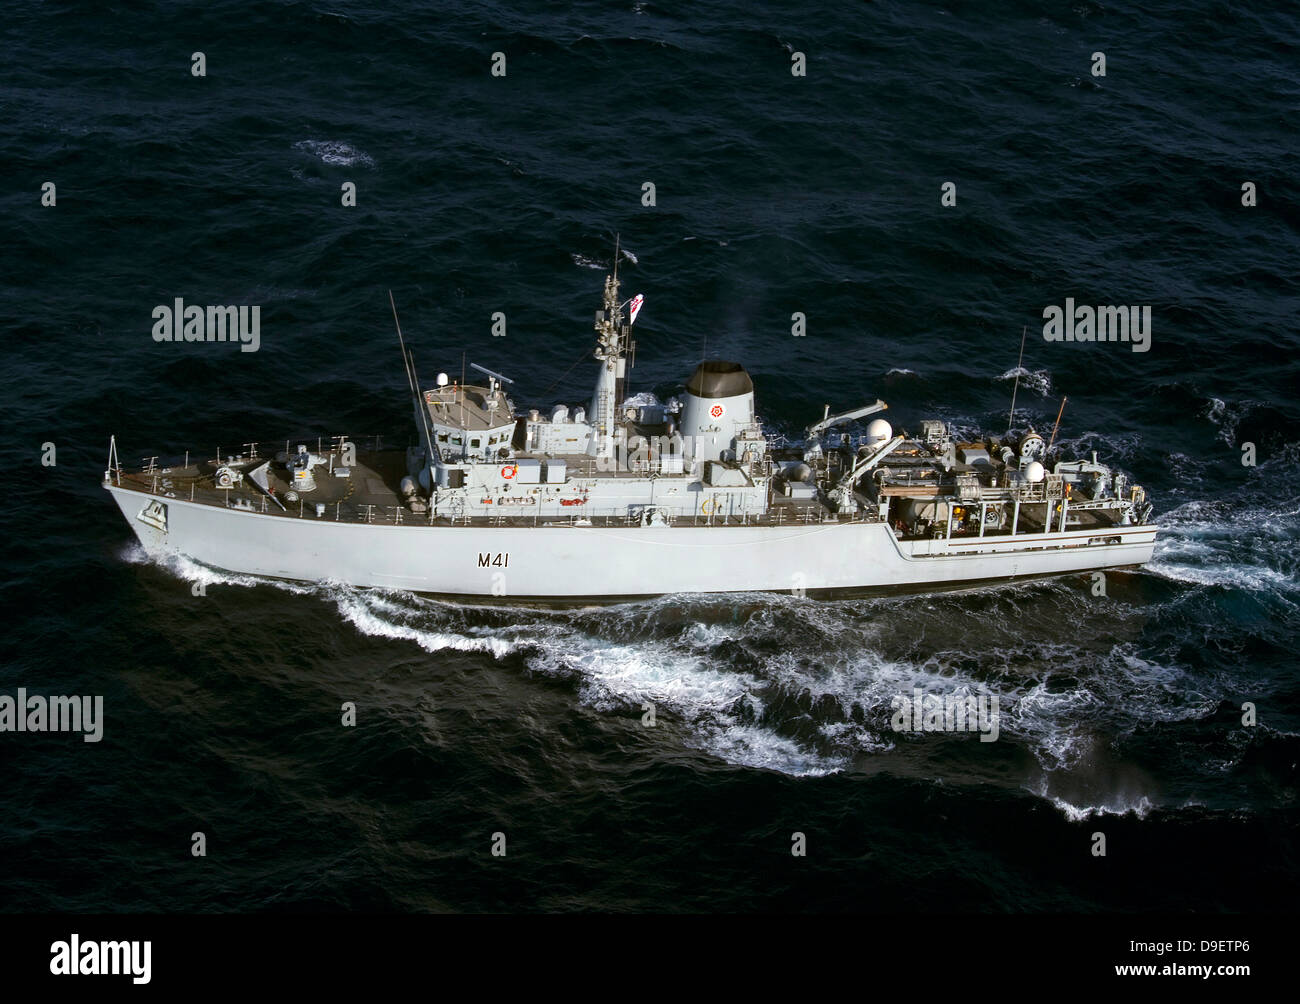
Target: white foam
{"points": [[195, 572], [1218, 413], [1110, 446], [747, 746], [1039, 381], [731, 682], [839, 656], [361, 611], [1230, 545], [134, 553], [614, 675], [1078, 813], [850, 734], [335, 152]]}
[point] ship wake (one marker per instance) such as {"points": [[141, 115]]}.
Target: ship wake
{"points": [[809, 688]]}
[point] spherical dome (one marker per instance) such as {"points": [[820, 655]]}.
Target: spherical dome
{"points": [[1035, 473], [879, 431]]}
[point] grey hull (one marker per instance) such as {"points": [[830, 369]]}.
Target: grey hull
{"points": [[569, 563]]}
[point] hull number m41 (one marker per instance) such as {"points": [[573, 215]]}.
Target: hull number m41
{"points": [[489, 560]]}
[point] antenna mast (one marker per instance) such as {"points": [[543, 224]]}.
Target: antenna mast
{"points": [[1055, 427], [1011, 417], [410, 381], [408, 359]]}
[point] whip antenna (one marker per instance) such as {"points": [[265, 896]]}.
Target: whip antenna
{"points": [[1016, 386], [413, 382], [1055, 427]]}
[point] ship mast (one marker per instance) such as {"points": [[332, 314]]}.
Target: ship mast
{"points": [[611, 348]]}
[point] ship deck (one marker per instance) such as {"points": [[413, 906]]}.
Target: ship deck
{"points": [[371, 494]]}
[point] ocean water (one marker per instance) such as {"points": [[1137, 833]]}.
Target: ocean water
{"points": [[774, 194]]}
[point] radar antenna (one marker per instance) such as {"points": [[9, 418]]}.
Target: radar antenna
{"points": [[491, 373]]}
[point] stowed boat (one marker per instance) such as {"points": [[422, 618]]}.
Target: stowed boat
{"points": [[616, 499]]}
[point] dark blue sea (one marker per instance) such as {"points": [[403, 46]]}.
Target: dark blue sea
{"points": [[774, 194]]}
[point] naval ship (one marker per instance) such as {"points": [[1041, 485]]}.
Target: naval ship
{"points": [[617, 499]]}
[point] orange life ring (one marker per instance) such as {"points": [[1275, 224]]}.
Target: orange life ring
{"points": [[509, 471]]}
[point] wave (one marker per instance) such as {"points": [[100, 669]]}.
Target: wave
{"points": [[804, 688], [1111, 447], [582, 261], [1116, 805], [801, 687], [1232, 545], [1039, 381], [335, 153]]}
